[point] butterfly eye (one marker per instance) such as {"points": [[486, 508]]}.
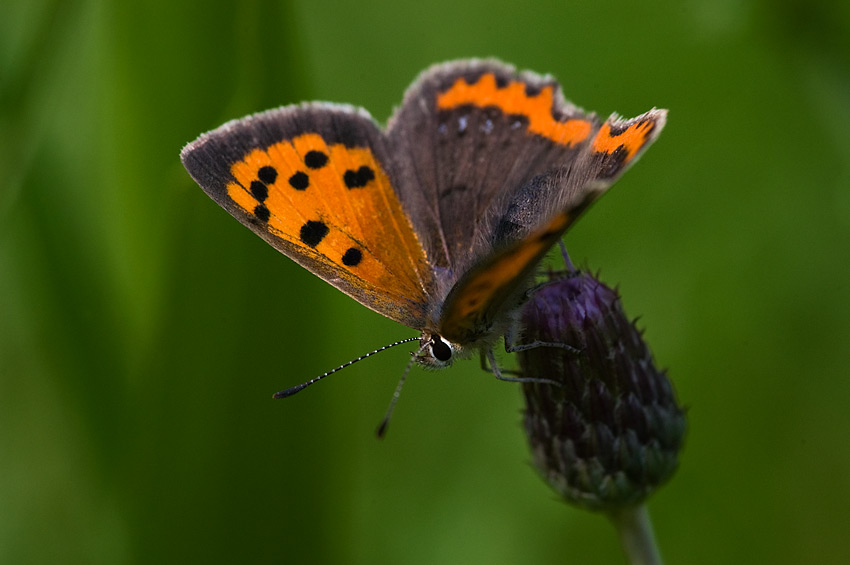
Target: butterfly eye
{"points": [[441, 350]]}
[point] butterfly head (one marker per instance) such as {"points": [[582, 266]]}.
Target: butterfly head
{"points": [[435, 351]]}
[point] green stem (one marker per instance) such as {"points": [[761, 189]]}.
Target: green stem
{"points": [[635, 529]]}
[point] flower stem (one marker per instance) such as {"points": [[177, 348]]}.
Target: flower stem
{"points": [[636, 535]]}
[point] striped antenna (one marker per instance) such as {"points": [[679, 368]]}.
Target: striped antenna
{"points": [[382, 427], [298, 388]]}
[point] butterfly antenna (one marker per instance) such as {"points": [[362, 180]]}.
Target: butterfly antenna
{"points": [[382, 428], [298, 388]]}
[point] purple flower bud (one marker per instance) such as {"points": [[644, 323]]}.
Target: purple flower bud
{"points": [[611, 433]]}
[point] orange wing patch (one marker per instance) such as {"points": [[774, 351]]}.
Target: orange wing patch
{"points": [[631, 139], [486, 288], [337, 203], [513, 99]]}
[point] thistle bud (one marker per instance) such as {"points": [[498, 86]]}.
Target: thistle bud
{"points": [[609, 434]]}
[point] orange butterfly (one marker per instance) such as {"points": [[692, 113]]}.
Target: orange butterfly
{"points": [[437, 221]]}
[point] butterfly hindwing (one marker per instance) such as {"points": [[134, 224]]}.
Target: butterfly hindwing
{"points": [[538, 216], [314, 182], [475, 309]]}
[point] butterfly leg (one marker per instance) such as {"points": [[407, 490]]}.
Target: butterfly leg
{"points": [[565, 255], [510, 336], [498, 373], [512, 347], [492, 370]]}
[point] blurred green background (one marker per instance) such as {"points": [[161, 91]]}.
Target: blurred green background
{"points": [[140, 342]]}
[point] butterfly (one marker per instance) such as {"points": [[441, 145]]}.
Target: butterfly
{"points": [[439, 220]]}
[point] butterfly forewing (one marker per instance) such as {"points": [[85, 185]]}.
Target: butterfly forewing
{"points": [[313, 182], [472, 134]]}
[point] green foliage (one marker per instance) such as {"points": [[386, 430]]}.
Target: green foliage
{"points": [[143, 330]]}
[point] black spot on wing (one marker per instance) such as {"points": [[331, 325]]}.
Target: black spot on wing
{"points": [[267, 174], [313, 232], [358, 178], [299, 181], [352, 257], [259, 190], [315, 159], [262, 213]]}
